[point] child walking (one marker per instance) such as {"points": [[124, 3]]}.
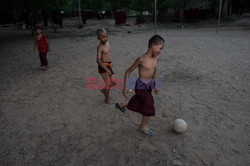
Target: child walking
{"points": [[104, 64], [43, 47], [142, 102]]}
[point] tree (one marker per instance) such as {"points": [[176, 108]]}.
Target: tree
{"points": [[164, 5], [13, 7], [140, 6]]}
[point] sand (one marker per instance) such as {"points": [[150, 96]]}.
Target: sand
{"points": [[50, 118]]}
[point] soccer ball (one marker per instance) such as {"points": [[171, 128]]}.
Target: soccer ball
{"points": [[180, 126]]}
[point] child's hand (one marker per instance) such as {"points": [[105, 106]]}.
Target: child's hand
{"points": [[125, 93], [157, 91]]}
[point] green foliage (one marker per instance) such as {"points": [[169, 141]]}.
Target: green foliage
{"points": [[139, 19], [104, 4], [170, 4], [92, 4], [118, 4], [141, 5], [228, 19], [107, 5], [70, 5], [10, 6]]}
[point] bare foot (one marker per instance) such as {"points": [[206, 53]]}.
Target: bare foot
{"points": [[44, 68], [146, 131], [120, 107], [108, 101]]}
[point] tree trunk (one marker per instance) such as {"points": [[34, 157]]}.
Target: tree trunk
{"points": [[53, 24], [32, 23], [224, 7], [16, 18], [80, 14]]}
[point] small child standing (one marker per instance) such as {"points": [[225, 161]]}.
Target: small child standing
{"points": [[43, 47], [143, 102], [104, 64]]}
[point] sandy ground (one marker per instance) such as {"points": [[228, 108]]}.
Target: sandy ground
{"points": [[50, 118]]}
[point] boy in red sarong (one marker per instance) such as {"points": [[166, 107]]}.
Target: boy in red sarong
{"points": [[143, 102], [104, 64], [43, 47]]}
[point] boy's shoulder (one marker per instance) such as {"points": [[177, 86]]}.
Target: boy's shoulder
{"points": [[100, 45], [140, 59]]}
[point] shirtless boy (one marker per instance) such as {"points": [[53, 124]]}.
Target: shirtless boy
{"points": [[143, 102], [104, 64]]}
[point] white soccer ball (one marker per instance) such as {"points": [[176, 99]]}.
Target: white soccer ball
{"points": [[180, 126]]}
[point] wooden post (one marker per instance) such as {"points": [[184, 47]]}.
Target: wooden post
{"points": [[155, 17], [219, 17], [80, 13]]}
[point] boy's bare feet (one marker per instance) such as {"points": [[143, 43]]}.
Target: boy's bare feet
{"points": [[44, 68], [120, 106], [108, 101], [146, 131]]}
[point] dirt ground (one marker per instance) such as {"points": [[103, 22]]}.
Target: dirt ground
{"points": [[50, 118]]}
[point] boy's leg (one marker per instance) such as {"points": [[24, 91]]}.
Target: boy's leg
{"points": [[41, 58], [113, 80], [144, 122], [106, 89], [123, 105], [45, 59]]}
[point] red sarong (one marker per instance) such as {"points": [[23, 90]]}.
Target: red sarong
{"points": [[143, 101], [102, 70]]}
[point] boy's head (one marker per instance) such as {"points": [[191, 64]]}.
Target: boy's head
{"points": [[156, 44], [38, 29], [102, 35]]}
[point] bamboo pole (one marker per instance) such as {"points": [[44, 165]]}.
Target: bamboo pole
{"points": [[80, 13], [155, 17], [218, 25]]}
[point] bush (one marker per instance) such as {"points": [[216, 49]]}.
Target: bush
{"points": [[139, 19], [228, 19]]}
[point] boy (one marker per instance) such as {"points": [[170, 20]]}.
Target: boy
{"points": [[143, 102], [43, 47], [104, 64]]}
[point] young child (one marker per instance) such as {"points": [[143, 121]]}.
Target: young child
{"points": [[143, 102], [104, 64], [43, 47]]}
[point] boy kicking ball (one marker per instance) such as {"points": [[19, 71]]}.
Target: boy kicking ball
{"points": [[143, 101]]}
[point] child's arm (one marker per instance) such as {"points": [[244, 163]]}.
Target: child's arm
{"points": [[155, 77], [137, 62], [155, 82], [47, 44], [99, 60]]}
